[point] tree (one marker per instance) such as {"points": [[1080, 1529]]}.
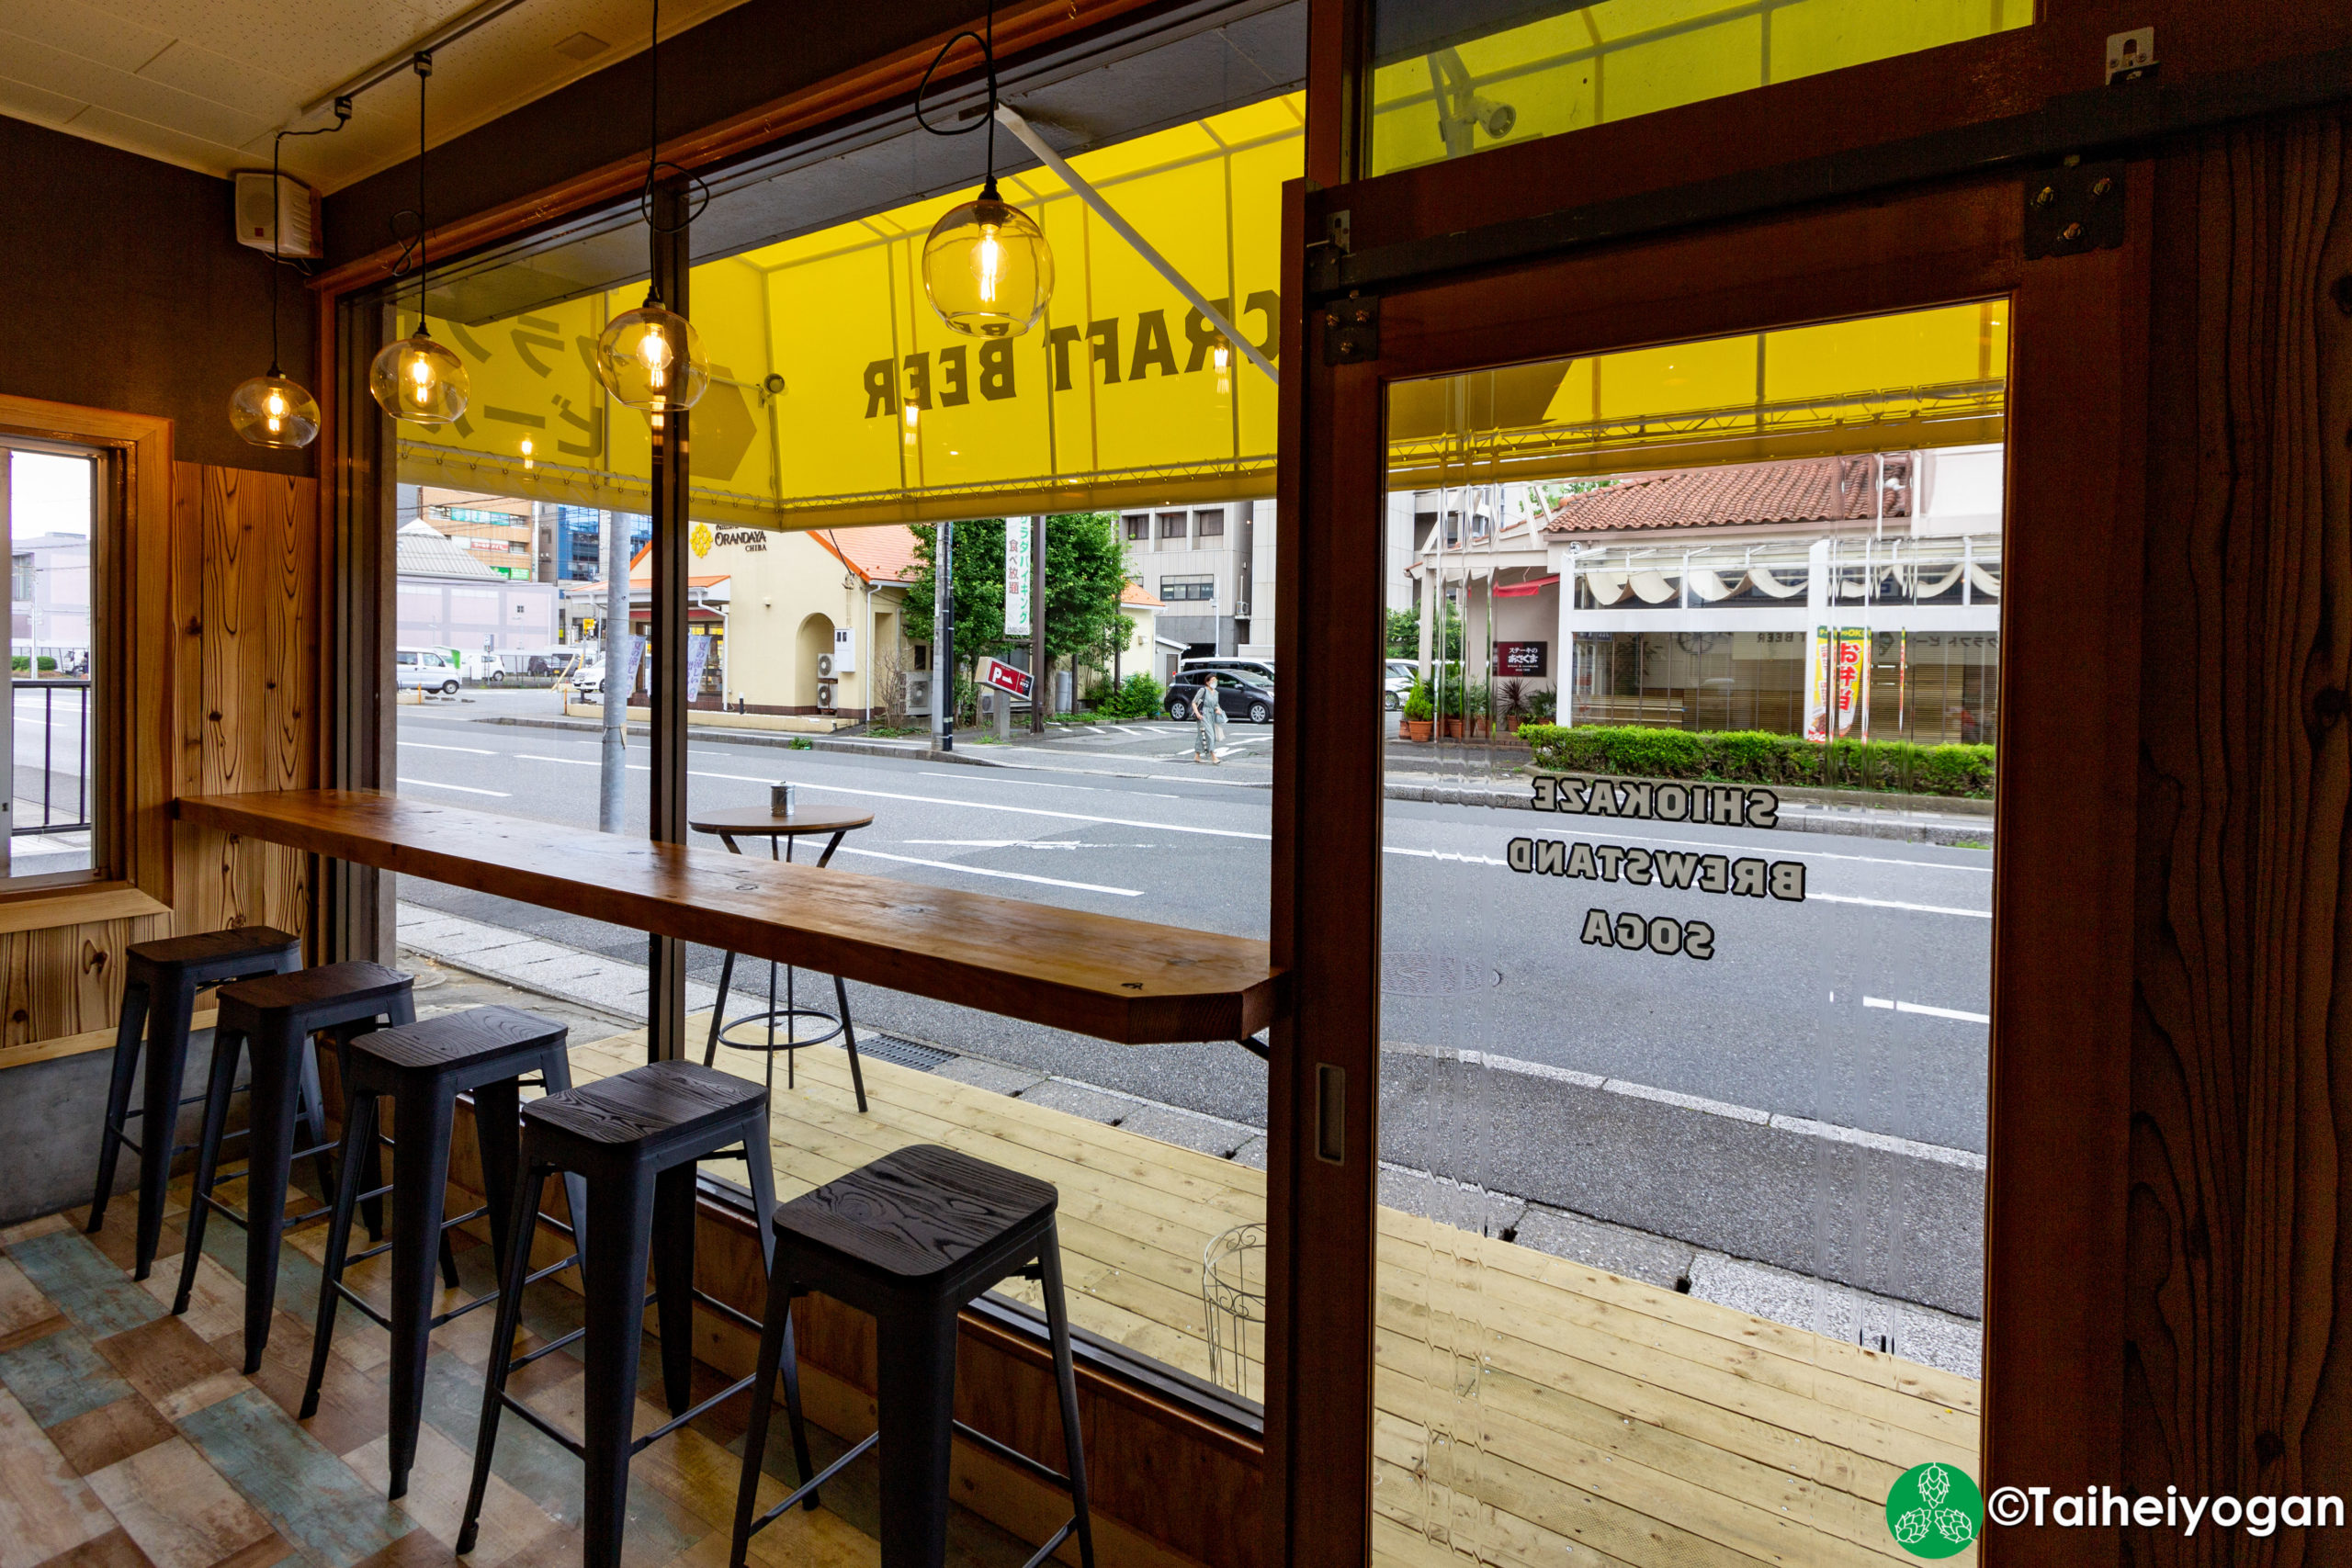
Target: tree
{"points": [[1405, 634], [1085, 570]]}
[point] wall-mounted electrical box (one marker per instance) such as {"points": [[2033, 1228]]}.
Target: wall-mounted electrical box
{"points": [[291, 219]]}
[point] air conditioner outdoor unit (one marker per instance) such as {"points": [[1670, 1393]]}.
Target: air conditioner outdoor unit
{"points": [[919, 692], [824, 667], [825, 695], [295, 222]]}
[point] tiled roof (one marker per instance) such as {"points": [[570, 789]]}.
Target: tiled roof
{"points": [[883, 553], [1134, 594], [1811, 490], [428, 554]]}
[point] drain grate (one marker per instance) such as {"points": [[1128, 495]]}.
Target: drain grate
{"points": [[905, 1053], [1412, 973]]}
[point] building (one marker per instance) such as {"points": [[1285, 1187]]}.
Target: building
{"points": [[1213, 569], [451, 597], [49, 594]]}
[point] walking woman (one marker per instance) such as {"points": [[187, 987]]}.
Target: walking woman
{"points": [[1208, 723]]}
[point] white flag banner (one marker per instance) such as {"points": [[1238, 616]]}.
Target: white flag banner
{"points": [[1017, 584]]}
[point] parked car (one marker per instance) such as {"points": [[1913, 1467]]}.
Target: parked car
{"points": [[1260, 671], [1239, 696], [423, 670], [1398, 683]]}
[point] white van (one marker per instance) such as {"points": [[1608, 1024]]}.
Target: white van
{"points": [[424, 670]]}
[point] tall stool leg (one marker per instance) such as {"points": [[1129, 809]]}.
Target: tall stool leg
{"points": [[575, 1187], [278, 1070], [620, 1212], [1065, 1381], [359, 1131], [914, 1399], [849, 1040], [719, 1009], [776, 1354], [498, 1139], [674, 1280], [127, 1032], [502, 1348], [159, 1122], [227, 1046], [420, 1189]]}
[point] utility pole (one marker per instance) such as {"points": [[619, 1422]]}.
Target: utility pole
{"points": [[614, 700], [943, 640], [1041, 690]]}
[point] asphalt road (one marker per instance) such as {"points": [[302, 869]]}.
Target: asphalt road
{"points": [[1786, 1016]]}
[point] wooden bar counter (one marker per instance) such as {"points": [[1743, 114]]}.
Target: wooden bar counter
{"points": [[1122, 980]]}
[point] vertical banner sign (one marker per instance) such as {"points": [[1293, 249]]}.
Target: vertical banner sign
{"points": [[1839, 685], [1016, 576], [698, 660]]}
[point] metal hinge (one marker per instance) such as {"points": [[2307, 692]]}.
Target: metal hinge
{"points": [[2074, 208], [1352, 330]]}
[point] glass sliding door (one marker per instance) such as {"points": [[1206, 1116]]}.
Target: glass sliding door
{"points": [[1684, 1070]]}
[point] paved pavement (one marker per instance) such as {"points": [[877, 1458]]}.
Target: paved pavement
{"points": [[1860, 1010]]}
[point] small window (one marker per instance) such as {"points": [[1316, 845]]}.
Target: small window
{"points": [[922, 656], [1209, 524], [1139, 527], [1188, 589], [1171, 525], [21, 577]]}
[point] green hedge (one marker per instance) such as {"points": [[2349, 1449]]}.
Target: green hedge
{"points": [[1754, 757]]}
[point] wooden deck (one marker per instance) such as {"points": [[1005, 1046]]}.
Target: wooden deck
{"points": [[1526, 1404]]}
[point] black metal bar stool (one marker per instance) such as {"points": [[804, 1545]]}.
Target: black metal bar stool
{"points": [[634, 1139], [423, 1068], [273, 1019], [782, 833], [908, 1240], [159, 986]]}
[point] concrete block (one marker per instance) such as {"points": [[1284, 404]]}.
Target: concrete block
{"points": [[1615, 1249], [994, 1076], [1838, 1312], [1080, 1101], [1188, 1129], [1450, 1202]]}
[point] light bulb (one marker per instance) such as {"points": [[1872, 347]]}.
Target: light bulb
{"points": [[988, 269], [418, 380], [270, 411], [651, 358], [1223, 355], [913, 413]]}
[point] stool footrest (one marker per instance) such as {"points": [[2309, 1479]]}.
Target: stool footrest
{"points": [[1014, 1456], [243, 1220], [809, 1487], [1046, 1551]]}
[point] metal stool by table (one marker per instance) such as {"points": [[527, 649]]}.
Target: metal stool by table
{"points": [[781, 833]]}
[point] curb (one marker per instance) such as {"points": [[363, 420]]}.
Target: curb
{"points": [[1846, 823]]}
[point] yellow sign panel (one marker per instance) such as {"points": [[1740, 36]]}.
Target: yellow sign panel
{"points": [[839, 398]]}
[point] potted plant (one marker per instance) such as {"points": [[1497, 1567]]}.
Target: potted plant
{"points": [[1420, 709], [1450, 717], [1478, 710], [1541, 705], [1512, 697]]}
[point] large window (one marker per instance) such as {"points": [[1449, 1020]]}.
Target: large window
{"points": [[50, 516]]}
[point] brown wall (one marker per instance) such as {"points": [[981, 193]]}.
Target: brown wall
{"points": [[127, 290], [244, 589]]}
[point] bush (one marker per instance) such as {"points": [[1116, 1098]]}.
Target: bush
{"points": [[45, 664], [1754, 757], [1420, 706], [21, 663], [1541, 705], [1137, 696]]}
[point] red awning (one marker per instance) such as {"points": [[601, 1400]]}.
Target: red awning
{"points": [[1523, 590]]}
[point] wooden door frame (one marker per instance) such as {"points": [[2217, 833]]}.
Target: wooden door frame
{"points": [[2064, 857]]}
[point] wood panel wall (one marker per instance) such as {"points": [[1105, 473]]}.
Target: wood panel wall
{"points": [[243, 603], [2238, 1344]]}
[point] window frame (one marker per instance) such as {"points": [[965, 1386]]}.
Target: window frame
{"points": [[131, 610]]}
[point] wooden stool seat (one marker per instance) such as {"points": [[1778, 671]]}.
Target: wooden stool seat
{"points": [[634, 1142], [910, 1239], [160, 982], [273, 1019], [424, 1068]]}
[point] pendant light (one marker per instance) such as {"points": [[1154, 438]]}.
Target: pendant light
{"points": [[651, 357], [417, 378], [986, 265], [275, 409]]}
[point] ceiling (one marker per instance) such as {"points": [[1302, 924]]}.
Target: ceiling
{"points": [[203, 84]]}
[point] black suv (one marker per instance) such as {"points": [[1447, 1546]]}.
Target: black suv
{"points": [[1241, 697]]}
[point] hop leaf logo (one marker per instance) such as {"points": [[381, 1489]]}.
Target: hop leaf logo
{"points": [[1934, 1510]]}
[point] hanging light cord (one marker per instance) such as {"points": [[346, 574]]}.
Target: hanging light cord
{"points": [[413, 246], [342, 118], [699, 195], [987, 41]]}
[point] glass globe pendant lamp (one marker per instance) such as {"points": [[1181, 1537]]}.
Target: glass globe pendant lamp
{"points": [[271, 411], [651, 358], [988, 268], [418, 379]]}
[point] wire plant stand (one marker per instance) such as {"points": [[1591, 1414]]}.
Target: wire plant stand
{"points": [[1233, 1297]]}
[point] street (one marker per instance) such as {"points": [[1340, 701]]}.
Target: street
{"points": [[1860, 1008]]}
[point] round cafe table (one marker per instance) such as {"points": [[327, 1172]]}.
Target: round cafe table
{"points": [[784, 1024]]}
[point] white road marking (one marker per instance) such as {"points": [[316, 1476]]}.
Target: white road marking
{"points": [[1034, 783], [463, 789], [1007, 876], [567, 761], [1025, 810], [1898, 904], [1027, 844], [1923, 1008], [427, 746], [1870, 1001], [1762, 849]]}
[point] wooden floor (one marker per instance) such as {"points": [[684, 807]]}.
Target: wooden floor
{"points": [[1526, 1404]]}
